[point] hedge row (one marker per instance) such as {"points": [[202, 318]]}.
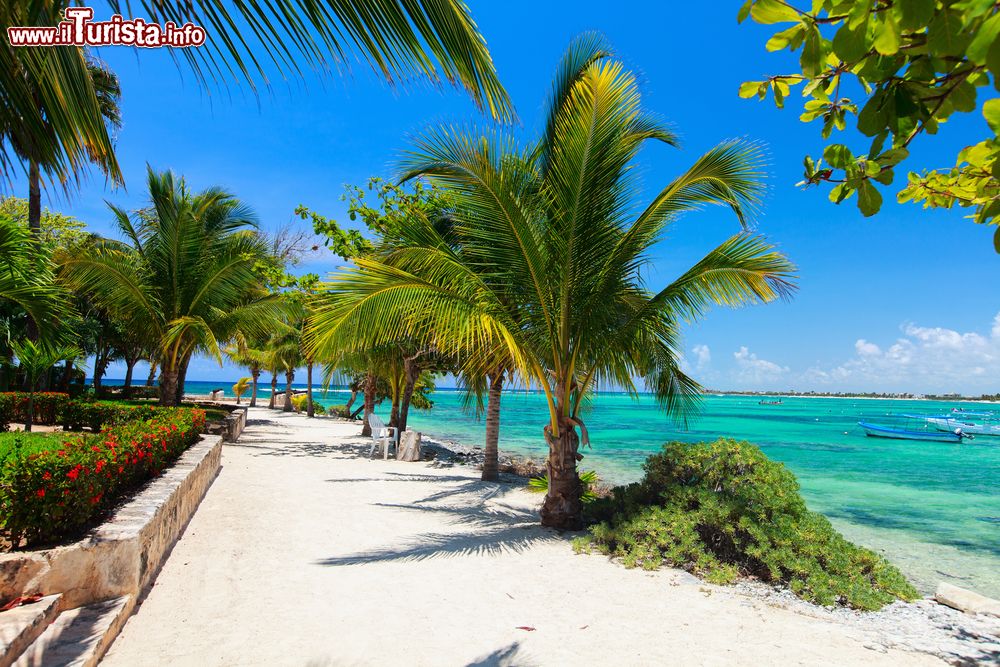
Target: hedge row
{"points": [[52, 408], [54, 494]]}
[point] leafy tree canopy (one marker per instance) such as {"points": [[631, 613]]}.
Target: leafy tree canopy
{"points": [[58, 229], [385, 209], [912, 63]]}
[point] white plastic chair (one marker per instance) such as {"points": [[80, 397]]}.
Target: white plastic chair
{"points": [[382, 433]]}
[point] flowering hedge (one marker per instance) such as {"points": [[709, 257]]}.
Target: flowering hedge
{"points": [[56, 408], [51, 495]]}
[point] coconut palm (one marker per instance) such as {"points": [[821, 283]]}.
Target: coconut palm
{"points": [[46, 95], [551, 254], [106, 89], [248, 353], [27, 276], [183, 274]]}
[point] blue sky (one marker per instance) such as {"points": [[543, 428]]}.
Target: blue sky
{"points": [[902, 301]]}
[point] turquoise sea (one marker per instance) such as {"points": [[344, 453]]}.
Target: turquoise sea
{"points": [[932, 508]]}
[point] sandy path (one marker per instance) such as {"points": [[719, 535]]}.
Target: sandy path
{"points": [[304, 552]]}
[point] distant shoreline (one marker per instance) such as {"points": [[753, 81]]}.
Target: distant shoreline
{"points": [[317, 390]]}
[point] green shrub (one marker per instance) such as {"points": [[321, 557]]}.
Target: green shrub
{"points": [[53, 494], [299, 403], [722, 510], [51, 408], [340, 411]]}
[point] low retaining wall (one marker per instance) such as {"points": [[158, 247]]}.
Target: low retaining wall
{"points": [[122, 555]]}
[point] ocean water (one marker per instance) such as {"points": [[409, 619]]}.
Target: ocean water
{"points": [[932, 508]]}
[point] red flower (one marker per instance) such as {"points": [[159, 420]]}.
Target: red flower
{"points": [[47, 475], [40, 493], [74, 473]]}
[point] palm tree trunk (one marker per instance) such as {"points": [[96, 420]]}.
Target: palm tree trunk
{"points": [[310, 411], [289, 376], [274, 389], [29, 418], [129, 366], [67, 375], [371, 386], [491, 454], [411, 371], [181, 376], [34, 198], [255, 372], [152, 373], [563, 508], [168, 387], [350, 401]]}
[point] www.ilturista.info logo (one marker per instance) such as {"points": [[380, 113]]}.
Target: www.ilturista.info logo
{"points": [[79, 30]]}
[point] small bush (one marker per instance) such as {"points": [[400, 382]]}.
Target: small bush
{"points": [[53, 494], [340, 411], [299, 402], [723, 509], [51, 408]]}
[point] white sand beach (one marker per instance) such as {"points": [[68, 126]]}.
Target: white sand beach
{"points": [[305, 552]]}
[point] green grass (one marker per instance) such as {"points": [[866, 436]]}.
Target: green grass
{"points": [[30, 442]]}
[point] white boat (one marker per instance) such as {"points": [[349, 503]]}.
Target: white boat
{"points": [[950, 424]]}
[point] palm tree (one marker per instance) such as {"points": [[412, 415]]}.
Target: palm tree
{"points": [[248, 353], [27, 276], [47, 96], [240, 388], [36, 359], [551, 258], [107, 90], [183, 274]]}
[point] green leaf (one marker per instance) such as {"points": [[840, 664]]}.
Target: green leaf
{"points": [[869, 199], [841, 192], [944, 34], [993, 63], [859, 13], [838, 156], [893, 156], [772, 11], [885, 176], [963, 97], [872, 118], [811, 60], [748, 89], [915, 13], [790, 38], [887, 35], [851, 44], [744, 12], [991, 112], [984, 39]]}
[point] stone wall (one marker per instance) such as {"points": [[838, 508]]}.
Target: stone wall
{"points": [[122, 555]]}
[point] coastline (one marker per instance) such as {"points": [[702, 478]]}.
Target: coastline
{"points": [[393, 532]]}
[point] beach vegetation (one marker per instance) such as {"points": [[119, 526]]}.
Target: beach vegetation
{"points": [[723, 510], [543, 256], [53, 494], [896, 71], [182, 274], [241, 387], [588, 480]]}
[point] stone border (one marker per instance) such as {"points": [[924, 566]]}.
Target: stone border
{"points": [[121, 556]]}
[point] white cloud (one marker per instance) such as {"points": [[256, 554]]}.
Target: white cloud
{"points": [[753, 370], [924, 360], [703, 355]]}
